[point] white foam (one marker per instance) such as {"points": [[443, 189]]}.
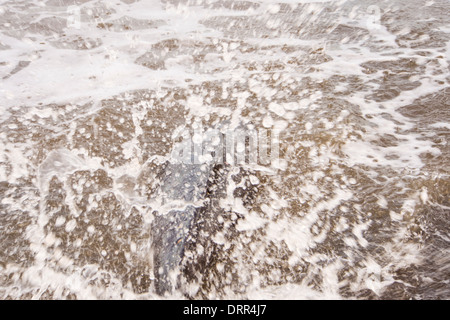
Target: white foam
{"points": [[346, 139]]}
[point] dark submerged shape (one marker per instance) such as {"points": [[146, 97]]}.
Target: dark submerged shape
{"points": [[191, 193], [179, 229], [185, 182]]}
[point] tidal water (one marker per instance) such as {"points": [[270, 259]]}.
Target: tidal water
{"points": [[353, 95]]}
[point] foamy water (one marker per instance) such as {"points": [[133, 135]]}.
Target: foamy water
{"points": [[94, 95]]}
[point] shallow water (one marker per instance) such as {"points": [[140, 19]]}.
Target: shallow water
{"points": [[94, 95]]}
